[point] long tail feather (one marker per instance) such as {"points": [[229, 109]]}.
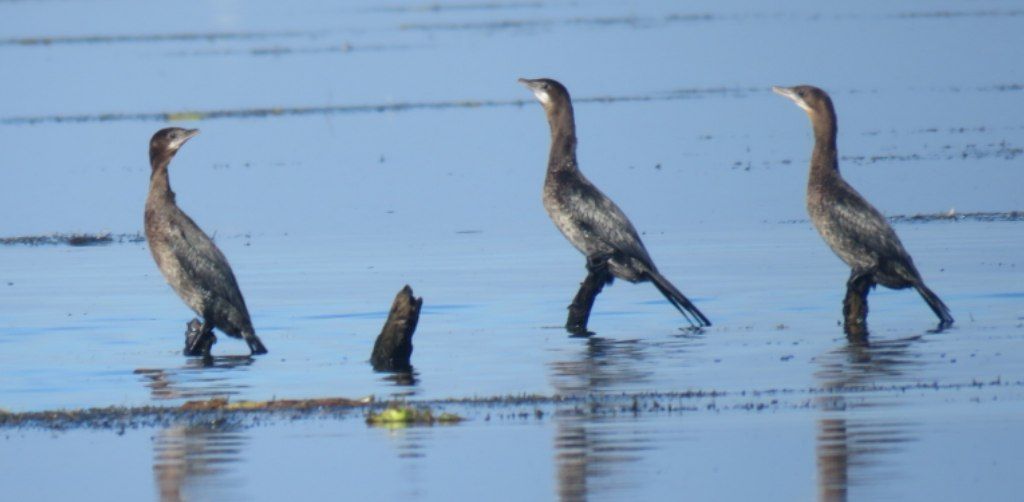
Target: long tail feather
{"points": [[679, 300], [935, 303], [255, 345]]}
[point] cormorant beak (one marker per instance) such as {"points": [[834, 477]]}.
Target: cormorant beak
{"points": [[534, 85], [790, 93], [189, 134]]}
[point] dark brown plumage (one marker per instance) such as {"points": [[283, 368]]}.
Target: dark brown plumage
{"points": [[189, 260], [590, 220], [852, 227]]}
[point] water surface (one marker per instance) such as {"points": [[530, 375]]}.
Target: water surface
{"points": [[349, 149]]}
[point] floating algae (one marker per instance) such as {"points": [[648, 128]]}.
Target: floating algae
{"points": [[404, 416], [185, 116]]}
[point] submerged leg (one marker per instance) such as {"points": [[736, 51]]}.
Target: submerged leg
{"points": [[579, 311], [855, 305], [199, 339]]}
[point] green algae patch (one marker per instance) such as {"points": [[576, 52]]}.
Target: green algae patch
{"points": [[185, 116], [404, 416]]}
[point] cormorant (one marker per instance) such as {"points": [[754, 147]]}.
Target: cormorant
{"points": [[189, 260], [591, 221], [851, 226]]}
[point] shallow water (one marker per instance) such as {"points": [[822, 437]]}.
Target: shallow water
{"points": [[350, 149]]}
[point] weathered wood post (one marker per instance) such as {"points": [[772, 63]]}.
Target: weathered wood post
{"points": [[393, 349]]}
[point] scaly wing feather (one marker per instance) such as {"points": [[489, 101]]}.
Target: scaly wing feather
{"points": [[595, 215], [859, 233], [203, 263]]}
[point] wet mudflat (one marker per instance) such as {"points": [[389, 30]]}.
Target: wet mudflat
{"points": [[349, 149]]}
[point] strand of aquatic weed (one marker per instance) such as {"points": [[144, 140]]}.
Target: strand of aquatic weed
{"points": [[71, 239], [468, 6], [984, 216], [947, 14], [502, 24], [268, 112], [156, 37], [635, 21], [628, 20], [219, 412], [284, 111], [99, 238], [282, 50]]}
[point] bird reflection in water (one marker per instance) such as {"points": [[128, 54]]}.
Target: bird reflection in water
{"points": [[611, 365], [197, 378], [592, 448], [591, 453], [404, 380], [192, 460], [851, 448], [409, 442]]}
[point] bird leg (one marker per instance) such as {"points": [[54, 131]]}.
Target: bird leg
{"points": [[855, 305], [199, 339], [579, 311]]}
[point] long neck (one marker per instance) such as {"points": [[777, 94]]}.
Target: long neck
{"points": [[159, 183], [563, 139], [824, 159]]}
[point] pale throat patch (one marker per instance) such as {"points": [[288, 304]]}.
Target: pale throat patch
{"points": [[542, 96]]}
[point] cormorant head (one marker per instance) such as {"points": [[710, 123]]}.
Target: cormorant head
{"points": [[166, 142], [549, 92], [814, 101]]}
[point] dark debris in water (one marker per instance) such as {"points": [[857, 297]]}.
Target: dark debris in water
{"points": [[1001, 150], [193, 115], [222, 412], [288, 50], [630, 21], [153, 37], [211, 411], [223, 404], [634, 21], [73, 239], [955, 216], [948, 14], [951, 215], [468, 6]]}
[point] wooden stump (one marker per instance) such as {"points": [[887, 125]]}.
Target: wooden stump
{"points": [[393, 349]]}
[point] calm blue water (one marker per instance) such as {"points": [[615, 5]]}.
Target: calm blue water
{"points": [[326, 207]]}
